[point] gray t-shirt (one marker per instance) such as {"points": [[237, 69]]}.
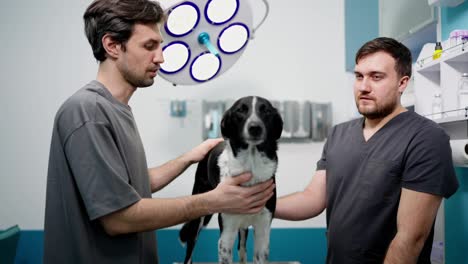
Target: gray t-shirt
{"points": [[364, 181], [97, 166]]}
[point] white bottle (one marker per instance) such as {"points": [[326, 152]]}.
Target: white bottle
{"points": [[463, 92], [437, 107]]}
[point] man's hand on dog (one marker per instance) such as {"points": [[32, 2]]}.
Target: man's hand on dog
{"points": [[230, 197], [200, 151]]}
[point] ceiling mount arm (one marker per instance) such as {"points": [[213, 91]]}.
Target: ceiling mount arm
{"points": [[267, 11]]}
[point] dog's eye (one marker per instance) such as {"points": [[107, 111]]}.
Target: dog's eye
{"points": [[264, 109], [242, 109]]}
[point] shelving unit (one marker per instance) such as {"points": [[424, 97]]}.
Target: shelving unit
{"points": [[441, 76]]}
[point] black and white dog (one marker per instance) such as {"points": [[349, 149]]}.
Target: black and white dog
{"points": [[251, 128]]}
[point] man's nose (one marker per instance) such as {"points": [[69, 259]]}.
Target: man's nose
{"points": [[364, 85], [158, 57]]}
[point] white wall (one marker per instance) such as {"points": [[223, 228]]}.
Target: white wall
{"points": [[297, 54]]}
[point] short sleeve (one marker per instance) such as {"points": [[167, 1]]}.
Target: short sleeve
{"points": [[322, 162], [429, 166], [98, 170]]}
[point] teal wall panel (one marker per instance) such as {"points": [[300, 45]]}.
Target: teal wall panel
{"points": [[361, 25], [30, 247], [454, 18], [306, 245], [456, 222]]}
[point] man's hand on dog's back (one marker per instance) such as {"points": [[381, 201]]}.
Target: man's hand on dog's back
{"points": [[199, 152], [230, 197]]}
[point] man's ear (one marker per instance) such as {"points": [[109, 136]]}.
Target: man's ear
{"points": [[403, 83], [111, 47]]}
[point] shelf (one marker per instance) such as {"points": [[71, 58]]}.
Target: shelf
{"points": [[460, 57], [450, 119], [456, 129], [442, 76], [458, 53], [455, 126], [430, 67]]}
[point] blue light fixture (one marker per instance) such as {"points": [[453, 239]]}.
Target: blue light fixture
{"points": [[202, 46]]}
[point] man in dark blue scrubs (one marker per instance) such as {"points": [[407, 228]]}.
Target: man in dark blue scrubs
{"points": [[381, 177]]}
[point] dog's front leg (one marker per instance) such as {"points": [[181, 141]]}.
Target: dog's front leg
{"points": [[242, 245], [225, 244], [262, 238]]}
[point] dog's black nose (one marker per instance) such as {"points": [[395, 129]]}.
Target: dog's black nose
{"points": [[255, 130]]}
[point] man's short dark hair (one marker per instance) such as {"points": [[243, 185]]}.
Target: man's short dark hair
{"points": [[117, 18], [398, 51]]}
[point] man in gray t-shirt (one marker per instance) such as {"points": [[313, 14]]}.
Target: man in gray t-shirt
{"points": [[381, 177], [98, 206], [97, 166]]}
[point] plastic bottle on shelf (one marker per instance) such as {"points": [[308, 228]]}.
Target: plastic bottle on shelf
{"points": [[437, 51], [456, 37], [463, 92], [437, 106]]}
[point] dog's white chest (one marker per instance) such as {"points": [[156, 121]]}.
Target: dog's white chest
{"points": [[261, 167]]}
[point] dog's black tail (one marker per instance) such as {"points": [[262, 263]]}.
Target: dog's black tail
{"points": [[186, 232], [188, 235], [206, 179]]}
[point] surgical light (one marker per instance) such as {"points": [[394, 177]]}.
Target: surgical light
{"points": [[204, 38]]}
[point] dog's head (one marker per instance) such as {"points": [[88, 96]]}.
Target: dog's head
{"points": [[252, 120]]}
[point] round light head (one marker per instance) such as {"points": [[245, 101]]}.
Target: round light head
{"points": [[176, 56], [182, 19], [233, 38], [205, 66], [218, 12]]}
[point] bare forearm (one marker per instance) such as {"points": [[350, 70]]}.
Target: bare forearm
{"points": [[306, 204], [152, 214], [163, 175], [404, 250], [298, 206], [227, 197], [416, 216]]}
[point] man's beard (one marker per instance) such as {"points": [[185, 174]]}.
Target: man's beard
{"points": [[133, 79], [136, 81], [379, 112]]}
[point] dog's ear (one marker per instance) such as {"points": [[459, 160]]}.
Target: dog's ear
{"points": [[226, 124], [277, 125]]}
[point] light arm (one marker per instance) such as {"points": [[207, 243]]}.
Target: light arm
{"points": [[415, 218], [163, 175], [228, 197], [306, 204]]}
